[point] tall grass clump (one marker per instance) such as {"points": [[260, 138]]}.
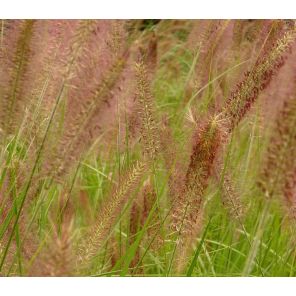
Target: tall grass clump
{"points": [[147, 148]]}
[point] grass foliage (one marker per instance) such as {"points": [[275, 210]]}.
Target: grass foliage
{"points": [[147, 148]]}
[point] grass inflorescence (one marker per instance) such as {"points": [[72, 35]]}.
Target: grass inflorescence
{"points": [[147, 148]]}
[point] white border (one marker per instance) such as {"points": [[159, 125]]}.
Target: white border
{"points": [[110, 9], [184, 9], [147, 286]]}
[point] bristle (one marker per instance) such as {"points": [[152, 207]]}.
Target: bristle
{"points": [[281, 154], [256, 80], [231, 199], [16, 72], [91, 99], [109, 211], [290, 195], [57, 258], [149, 132], [188, 208]]}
